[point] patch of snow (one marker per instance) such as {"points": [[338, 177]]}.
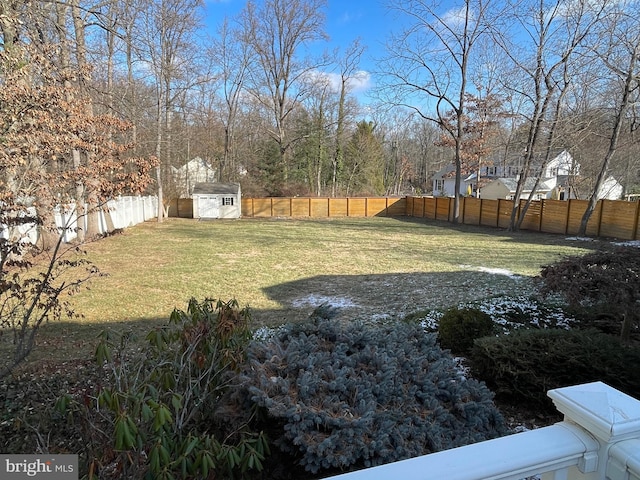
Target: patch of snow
{"points": [[510, 313], [265, 333], [313, 300], [463, 370], [515, 312], [520, 429], [494, 271], [431, 320], [630, 243], [580, 239]]}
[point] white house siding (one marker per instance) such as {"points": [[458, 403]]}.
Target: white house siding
{"points": [[505, 188], [190, 174], [610, 190]]}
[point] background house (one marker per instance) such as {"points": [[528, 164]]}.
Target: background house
{"points": [[444, 182], [610, 189], [506, 188], [191, 173], [216, 200], [500, 181]]}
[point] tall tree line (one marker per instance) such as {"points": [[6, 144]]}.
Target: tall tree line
{"points": [[472, 83]]}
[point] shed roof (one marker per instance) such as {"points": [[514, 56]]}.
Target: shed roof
{"points": [[216, 188]]}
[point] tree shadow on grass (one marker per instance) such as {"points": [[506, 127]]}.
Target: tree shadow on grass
{"points": [[387, 296], [356, 297]]}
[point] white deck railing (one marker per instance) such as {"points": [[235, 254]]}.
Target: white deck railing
{"points": [[599, 439]]}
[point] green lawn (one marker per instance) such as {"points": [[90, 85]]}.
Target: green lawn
{"points": [[280, 267]]}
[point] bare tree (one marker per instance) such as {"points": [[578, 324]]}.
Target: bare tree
{"points": [[619, 51], [314, 127], [41, 123], [429, 66], [165, 39], [232, 55], [555, 33], [349, 70], [276, 30]]}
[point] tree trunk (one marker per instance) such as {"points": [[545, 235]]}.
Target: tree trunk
{"points": [[159, 172], [92, 212], [629, 87], [336, 162]]}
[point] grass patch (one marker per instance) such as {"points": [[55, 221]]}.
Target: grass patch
{"points": [[281, 269]]}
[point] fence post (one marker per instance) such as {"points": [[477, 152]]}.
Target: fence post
{"points": [[607, 414], [601, 202], [635, 221], [542, 200]]}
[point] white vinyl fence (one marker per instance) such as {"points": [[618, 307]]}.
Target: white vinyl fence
{"points": [[123, 212]]}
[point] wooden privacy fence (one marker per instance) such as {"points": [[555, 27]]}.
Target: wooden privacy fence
{"points": [[611, 218], [324, 207], [181, 207]]}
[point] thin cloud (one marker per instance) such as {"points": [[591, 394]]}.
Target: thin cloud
{"points": [[359, 81], [349, 17], [456, 18]]}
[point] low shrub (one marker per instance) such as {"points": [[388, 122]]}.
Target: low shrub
{"points": [[459, 327], [156, 406], [522, 366], [608, 279], [358, 395]]}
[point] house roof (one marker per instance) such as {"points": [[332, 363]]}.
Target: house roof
{"points": [[216, 188], [512, 183], [444, 171]]}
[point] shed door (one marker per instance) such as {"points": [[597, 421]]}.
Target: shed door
{"points": [[208, 206]]}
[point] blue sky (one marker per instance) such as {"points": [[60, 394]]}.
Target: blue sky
{"points": [[346, 20]]}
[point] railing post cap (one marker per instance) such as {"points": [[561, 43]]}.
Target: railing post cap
{"points": [[602, 410]]}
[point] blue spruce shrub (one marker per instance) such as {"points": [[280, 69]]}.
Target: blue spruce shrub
{"points": [[358, 395]]}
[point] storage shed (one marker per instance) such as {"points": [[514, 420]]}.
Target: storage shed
{"points": [[216, 200]]}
